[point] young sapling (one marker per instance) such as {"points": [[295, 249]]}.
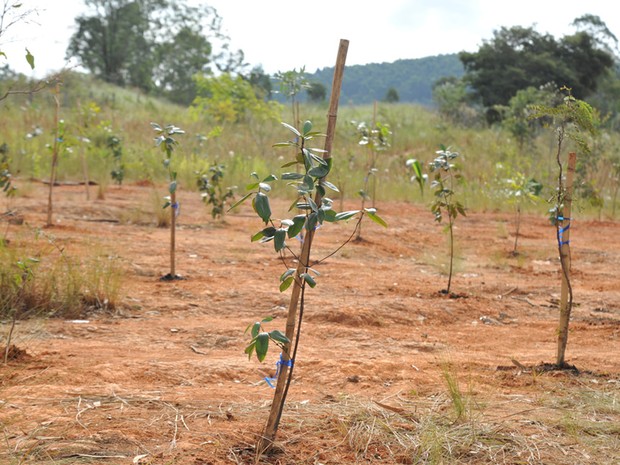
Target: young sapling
{"points": [[445, 202], [166, 141]]}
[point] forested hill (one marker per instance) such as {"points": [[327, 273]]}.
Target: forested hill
{"points": [[412, 79]]}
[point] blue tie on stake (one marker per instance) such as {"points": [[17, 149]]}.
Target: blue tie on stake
{"points": [[279, 363]]}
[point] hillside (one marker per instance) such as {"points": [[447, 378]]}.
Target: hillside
{"points": [[412, 79]]}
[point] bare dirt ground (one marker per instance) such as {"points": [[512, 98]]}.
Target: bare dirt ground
{"points": [[163, 380]]}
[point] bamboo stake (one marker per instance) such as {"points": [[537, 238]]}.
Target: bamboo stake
{"points": [[271, 428], [566, 294], [56, 147], [173, 225]]}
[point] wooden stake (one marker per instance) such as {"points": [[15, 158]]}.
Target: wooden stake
{"points": [[566, 298], [173, 226], [56, 148], [269, 434]]}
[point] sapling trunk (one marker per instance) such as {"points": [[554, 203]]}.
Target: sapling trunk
{"points": [[266, 440], [450, 227], [563, 234], [85, 173], [517, 227]]}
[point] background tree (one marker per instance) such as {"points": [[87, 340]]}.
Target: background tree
{"points": [[517, 58], [391, 96], [316, 92], [155, 45]]}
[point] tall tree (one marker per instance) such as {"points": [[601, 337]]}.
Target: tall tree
{"points": [[517, 58], [155, 45]]}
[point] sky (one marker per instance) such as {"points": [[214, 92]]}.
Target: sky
{"points": [[282, 35]]}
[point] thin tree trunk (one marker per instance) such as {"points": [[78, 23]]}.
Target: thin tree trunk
{"points": [[517, 227], [563, 232]]}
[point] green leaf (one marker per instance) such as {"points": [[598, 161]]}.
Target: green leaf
{"points": [[329, 185], [267, 232], [308, 279], [313, 219], [284, 285], [250, 349], [255, 329], [330, 215], [262, 346], [261, 206], [279, 239], [278, 337], [267, 319], [346, 215], [284, 144], [298, 224], [319, 171], [307, 128], [291, 128], [291, 176], [372, 214], [30, 59], [288, 273], [172, 188], [271, 177], [239, 202]]}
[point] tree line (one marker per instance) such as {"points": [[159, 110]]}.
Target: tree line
{"points": [[177, 50]]}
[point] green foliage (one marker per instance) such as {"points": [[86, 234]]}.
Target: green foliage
{"points": [[115, 147], [364, 84], [213, 192], [453, 101], [391, 96], [573, 119], [446, 173], [445, 202], [315, 209], [228, 98], [5, 174], [155, 45], [167, 143], [517, 58], [317, 92], [417, 176], [292, 82], [517, 116], [259, 343]]}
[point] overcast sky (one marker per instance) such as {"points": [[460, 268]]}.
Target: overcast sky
{"points": [[284, 34]]}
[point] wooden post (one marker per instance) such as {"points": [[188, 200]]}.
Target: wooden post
{"points": [[56, 148], [271, 428], [173, 224], [565, 261]]}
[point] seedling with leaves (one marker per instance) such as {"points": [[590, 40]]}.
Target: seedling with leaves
{"points": [[115, 146], [374, 138], [292, 83], [574, 120], [311, 187], [6, 177], [212, 191], [417, 176], [518, 188], [261, 339], [166, 141], [445, 202]]}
